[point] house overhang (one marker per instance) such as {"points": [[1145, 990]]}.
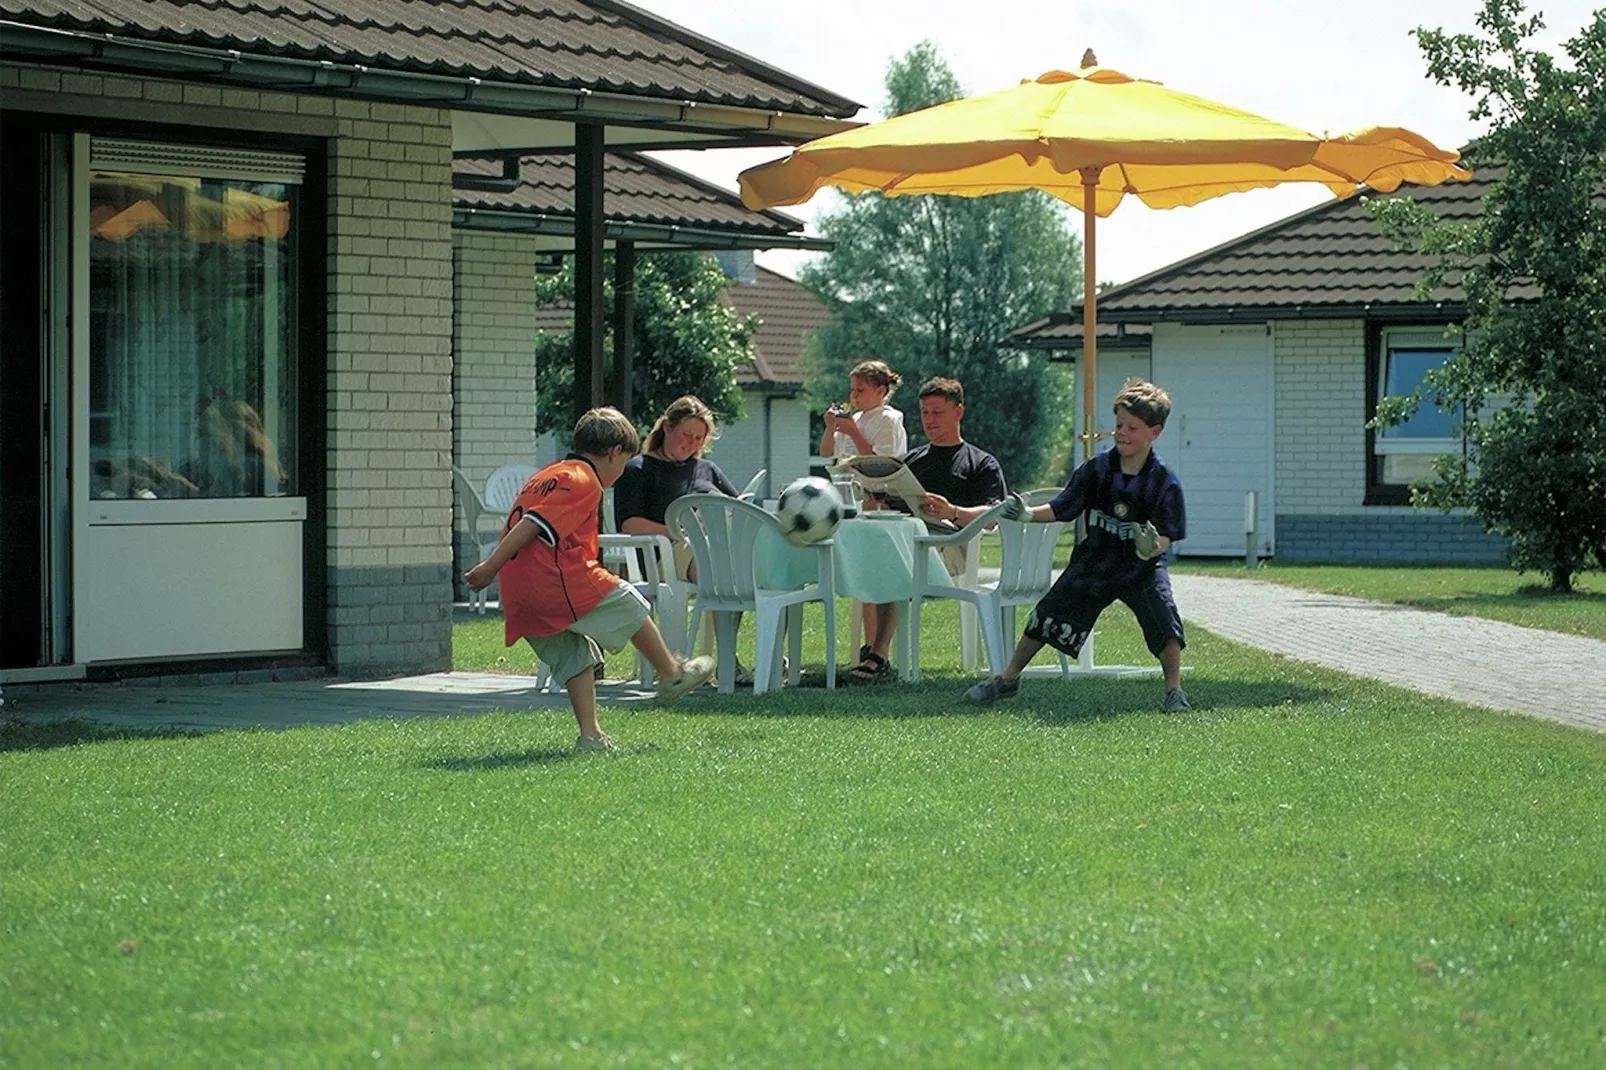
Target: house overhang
{"points": [[488, 117], [1040, 338], [556, 233], [1067, 347]]}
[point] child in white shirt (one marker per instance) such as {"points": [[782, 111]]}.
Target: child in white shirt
{"points": [[875, 427]]}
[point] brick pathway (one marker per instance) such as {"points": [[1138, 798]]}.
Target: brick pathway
{"points": [[1468, 659]]}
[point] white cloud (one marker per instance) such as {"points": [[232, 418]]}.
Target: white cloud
{"points": [[1323, 67]]}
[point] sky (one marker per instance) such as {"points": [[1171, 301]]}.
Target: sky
{"points": [[1327, 68]]}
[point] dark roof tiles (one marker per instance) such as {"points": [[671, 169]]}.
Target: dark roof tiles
{"points": [[787, 314], [601, 45], [635, 188], [1333, 256]]}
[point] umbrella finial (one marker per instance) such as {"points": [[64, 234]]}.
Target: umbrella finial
{"points": [[1089, 59]]}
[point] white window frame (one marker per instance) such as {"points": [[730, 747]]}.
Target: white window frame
{"points": [[1412, 338]]}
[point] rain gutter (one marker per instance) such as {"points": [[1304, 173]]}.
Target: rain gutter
{"points": [[466, 92]]}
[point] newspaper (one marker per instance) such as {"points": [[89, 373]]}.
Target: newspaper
{"points": [[890, 480]]}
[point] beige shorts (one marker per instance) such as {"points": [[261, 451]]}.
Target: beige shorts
{"points": [[609, 626], [953, 558], [683, 559]]}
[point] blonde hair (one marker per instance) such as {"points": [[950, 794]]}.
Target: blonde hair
{"points": [[876, 373], [601, 430], [1145, 401], [679, 411]]}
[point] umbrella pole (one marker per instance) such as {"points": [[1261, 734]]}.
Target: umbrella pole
{"points": [[1090, 342]]}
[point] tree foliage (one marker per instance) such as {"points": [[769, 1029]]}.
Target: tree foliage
{"points": [[1531, 374], [686, 341], [931, 284]]}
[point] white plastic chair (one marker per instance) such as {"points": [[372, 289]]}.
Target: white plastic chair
{"points": [[504, 484], [969, 623], [1026, 573], [474, 510], [750, 492], [722, 533]]}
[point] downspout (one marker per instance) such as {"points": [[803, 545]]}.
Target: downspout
{"points": [[769, 446]]}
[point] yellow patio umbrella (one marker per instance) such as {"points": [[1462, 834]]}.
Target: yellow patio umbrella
{"points": [[1090, 137]]}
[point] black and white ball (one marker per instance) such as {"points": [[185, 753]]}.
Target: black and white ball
{"points": [[809, 510]]}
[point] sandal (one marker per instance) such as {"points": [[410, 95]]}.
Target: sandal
{"points": [[872, 669]]}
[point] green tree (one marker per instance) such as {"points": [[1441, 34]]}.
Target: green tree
{"points": [[931, 284], [1530, 377], [686, 341]]}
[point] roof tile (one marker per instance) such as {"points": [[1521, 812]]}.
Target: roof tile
{"points": [[593, 44], [1332, 256], [635, 188], [787, 314]]}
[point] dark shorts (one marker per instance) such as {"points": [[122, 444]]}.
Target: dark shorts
{"points": [[1066, 615]]}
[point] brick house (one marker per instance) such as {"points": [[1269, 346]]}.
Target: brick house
{"points": [[1276, 348], [226, 385]]}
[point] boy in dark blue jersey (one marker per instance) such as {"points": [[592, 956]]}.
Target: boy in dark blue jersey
{"points": [[1134, 512]]}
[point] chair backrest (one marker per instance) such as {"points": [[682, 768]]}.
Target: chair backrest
{"points": [[623, 557], [504, 484], [1027, 568], [468, 499], [722, 533], [750, 491]]}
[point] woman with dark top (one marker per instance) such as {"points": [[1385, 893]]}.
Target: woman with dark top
{"points": [[670, 466]]}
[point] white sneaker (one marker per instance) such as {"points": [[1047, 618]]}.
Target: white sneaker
{"points": [[695, 673], [602, 744]]}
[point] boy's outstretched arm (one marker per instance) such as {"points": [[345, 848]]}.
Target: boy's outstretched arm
{"points": [[524, 532]]}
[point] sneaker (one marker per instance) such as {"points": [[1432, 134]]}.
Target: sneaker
{"points": [[994, 688], [695, 674], [602, 744], [1176, 701]]}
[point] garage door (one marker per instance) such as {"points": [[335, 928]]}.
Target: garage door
{"points": [[1220, 435]]}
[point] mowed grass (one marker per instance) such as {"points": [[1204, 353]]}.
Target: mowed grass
{"points": [[1495, 593], [1307, 870]]}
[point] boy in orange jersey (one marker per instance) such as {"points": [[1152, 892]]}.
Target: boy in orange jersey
{"points": [[555, 592]]}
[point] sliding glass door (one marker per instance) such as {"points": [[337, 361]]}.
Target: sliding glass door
{"points": [[189, 534]]}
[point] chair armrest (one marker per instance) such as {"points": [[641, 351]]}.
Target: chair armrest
{"points": [[661, 552], [964, 534]]}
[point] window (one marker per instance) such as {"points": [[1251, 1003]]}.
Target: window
{"points": [[192, 326], [1403, 454]]}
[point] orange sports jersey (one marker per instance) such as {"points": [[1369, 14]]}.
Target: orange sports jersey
{"points": [[555, 580]]}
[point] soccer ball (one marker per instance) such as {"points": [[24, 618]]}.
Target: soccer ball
{"points": [[809, 510]]}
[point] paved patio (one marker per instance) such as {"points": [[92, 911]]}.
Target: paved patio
{"points": [[1468, 659], [288, 704]]}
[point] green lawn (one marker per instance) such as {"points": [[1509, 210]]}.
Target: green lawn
{"points": [[1496, 593], [1308, 870]]}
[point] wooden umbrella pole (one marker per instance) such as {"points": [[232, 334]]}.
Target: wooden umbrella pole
{"points": [[1090, 342]]}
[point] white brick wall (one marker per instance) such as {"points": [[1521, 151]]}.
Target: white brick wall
{"points": [[493, 343], [742, 448], [790, 447], [390, 368], [1320, 374], [388, 339]]}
